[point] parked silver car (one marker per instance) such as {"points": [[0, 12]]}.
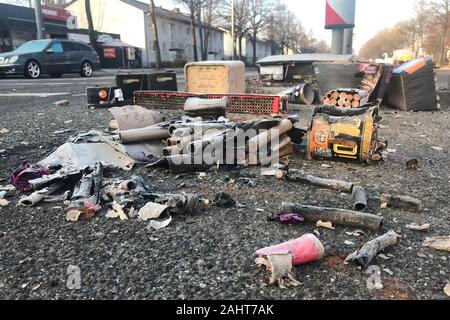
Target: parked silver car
{"points": [[53, 57]]}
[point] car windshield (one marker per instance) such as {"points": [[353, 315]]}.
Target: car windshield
{"points": [[33, 46]]}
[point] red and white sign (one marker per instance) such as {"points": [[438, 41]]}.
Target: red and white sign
{"points": [[109, 53], [340, 14], [52, 13]]}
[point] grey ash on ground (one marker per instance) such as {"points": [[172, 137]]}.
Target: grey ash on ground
{"points": [[210, 256]]}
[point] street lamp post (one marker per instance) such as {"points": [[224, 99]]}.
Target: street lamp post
{"points": [[232, 29], [39, 21]]}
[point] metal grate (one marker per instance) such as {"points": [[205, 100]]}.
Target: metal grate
{"points": [[252, 104]]}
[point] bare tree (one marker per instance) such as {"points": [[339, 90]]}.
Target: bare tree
{"points": [[440, 10], [156, 47], [259, 11], [386, 41], [208, 19], [284, 25], [242, 24], [420, 24], [284, 29], [211, 16], [92, 37], [193, 7], [200, 33]]}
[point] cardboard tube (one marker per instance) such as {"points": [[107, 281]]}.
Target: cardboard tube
{"points": [[264, 138], [301, 177], [258, 142], [335, 95], [284, 141], [181, 132], [33, 199], [185, 163], [304, 250], [200, 126], [401, 202], [205, 108], [144, 134], [196, 104], [286, 151], [218, 137], [360, 198], [306, 94], [198, 146], [179, 142], [171, 142], [40, 195], [367, 253], [335, 216], [173, 150]]}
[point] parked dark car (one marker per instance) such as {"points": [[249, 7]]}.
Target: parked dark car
{"points": [[53, 57]]}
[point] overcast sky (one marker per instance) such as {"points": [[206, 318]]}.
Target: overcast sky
{"points": [[371, 15]]}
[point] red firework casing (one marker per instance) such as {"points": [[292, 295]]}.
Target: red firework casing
{"points": [[304, 250]]}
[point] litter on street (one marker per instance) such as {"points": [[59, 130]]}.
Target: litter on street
{"points": [[235, 167]]}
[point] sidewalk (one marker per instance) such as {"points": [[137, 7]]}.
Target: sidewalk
{"points": [[110, 72], [178, 71]]}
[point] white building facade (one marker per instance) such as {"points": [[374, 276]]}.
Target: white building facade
{"points": [[130, 19], [263, 48]]}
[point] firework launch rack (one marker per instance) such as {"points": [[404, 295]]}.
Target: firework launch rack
{"points": [[237, 103]]}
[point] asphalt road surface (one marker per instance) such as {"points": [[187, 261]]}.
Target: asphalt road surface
{"points": [[48, 90], [211, 255], [443, 79]]}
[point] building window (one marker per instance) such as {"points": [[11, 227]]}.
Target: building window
{"points": [[172, 35]]}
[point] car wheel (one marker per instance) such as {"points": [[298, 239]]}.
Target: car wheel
{"points": [[56, 75], [32, 70], [87, 69], [2, 76]]}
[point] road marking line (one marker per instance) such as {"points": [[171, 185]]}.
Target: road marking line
{"points": [[51, 84], [56, 80], [38, 95], [34, 84]]}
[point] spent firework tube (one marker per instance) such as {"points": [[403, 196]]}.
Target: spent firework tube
{"points": [[304, 250]]}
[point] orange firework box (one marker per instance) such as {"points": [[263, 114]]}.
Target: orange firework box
{"points": [[341, 133]]}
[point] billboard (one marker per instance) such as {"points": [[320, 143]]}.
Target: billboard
{"points": [[53, 13], [340, 14]]}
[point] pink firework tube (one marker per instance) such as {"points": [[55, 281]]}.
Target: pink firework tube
{"points": [[304, 250]]}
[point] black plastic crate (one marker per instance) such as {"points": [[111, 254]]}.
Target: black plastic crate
{"points": [[158, 81]]}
